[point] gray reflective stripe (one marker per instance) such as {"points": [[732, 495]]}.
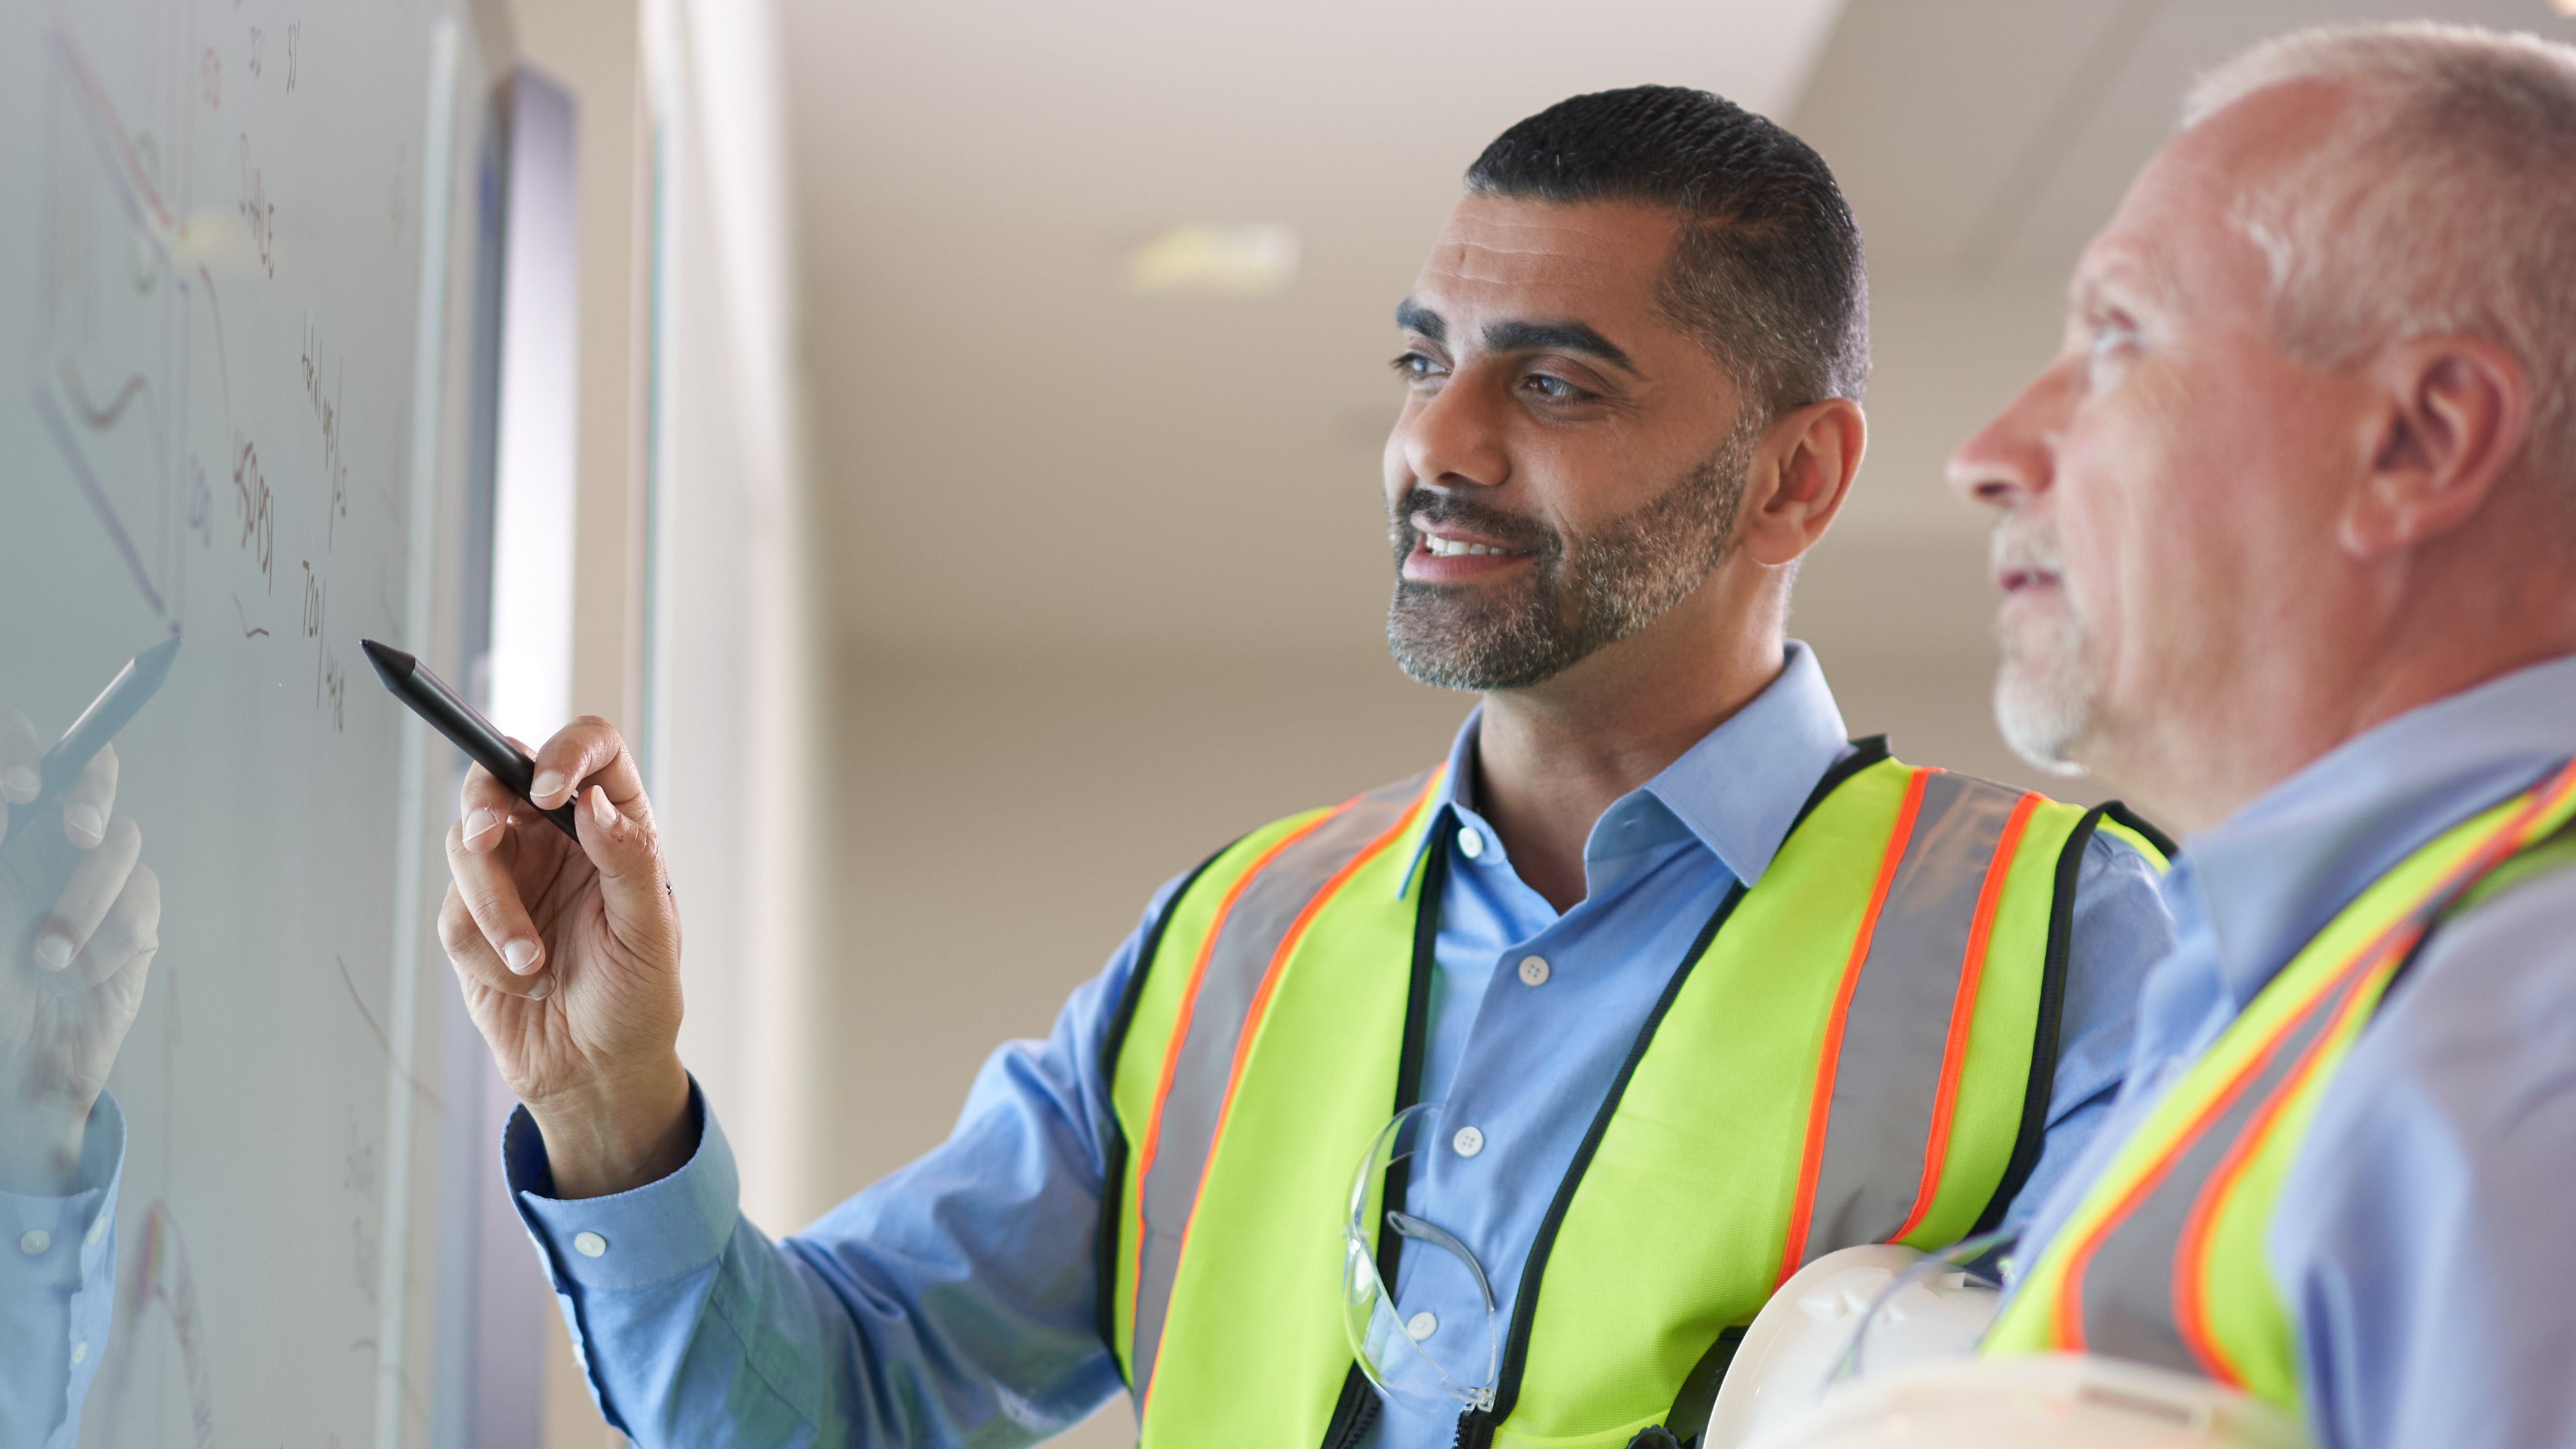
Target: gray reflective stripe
{"points": [[2129, 1282], [1246, 940], [1897, 1027]]}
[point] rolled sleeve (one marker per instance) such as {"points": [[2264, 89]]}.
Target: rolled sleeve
{"points": [[58, 1291]]}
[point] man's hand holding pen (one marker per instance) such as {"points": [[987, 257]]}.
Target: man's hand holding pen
{"points": [[80, 918], [570, 960]]}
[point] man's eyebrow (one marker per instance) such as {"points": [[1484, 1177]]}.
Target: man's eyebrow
{"points": [[1557, 337], [1412, 316]]}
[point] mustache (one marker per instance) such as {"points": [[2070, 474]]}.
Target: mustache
{"points": [[1436, 506], [2020, 546]]}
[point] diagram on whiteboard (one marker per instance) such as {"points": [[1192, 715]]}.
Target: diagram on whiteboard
{"points": [[211, 365]]}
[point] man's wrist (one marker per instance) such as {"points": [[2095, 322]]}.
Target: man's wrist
{"points": [[40, 1148], [618, 1137]]}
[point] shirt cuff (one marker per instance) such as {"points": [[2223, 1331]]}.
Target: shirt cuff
{"points": [[65, 1240], [652, 1234]]}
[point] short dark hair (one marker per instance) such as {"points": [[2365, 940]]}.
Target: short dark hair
{"points": [[1767, 269]]}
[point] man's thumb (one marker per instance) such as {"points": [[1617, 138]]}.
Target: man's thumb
{"points": [[623, 850]]}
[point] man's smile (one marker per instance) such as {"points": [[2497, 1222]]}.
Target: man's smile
{"points": [[1449, 554]]}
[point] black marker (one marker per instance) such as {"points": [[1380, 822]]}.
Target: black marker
{"points": [[115, 707], [464, 726]]}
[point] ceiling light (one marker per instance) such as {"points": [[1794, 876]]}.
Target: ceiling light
{"points": [[1244, 260], [2563, 7]]}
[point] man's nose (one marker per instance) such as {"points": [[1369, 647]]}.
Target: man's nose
{"points": [[2009, 460], [1455, 438]]}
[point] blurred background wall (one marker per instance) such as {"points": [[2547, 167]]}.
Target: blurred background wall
{"points": [[1012, 590]]}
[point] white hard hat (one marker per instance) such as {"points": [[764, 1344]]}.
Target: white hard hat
{"points": [[1874, 1347], [2053, 1401], [1915, 1309]]}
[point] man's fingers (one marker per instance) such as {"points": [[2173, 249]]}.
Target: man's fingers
{"points": [[491, 896], [98, 877], [89, 800], [130, 931], [19, 752], [474, 958], [624, 850], [485, 806], [586, 752]]}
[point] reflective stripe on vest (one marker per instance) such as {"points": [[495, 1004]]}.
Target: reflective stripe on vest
{"points": [[2163, 1260], [1844, 1056], [1888, 1078], [1259, 921]]}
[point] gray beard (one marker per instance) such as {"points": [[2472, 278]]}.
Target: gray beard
{"points": [[1580, 593], [2044, 699]]}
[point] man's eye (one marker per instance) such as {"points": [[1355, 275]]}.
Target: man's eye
{"points": [[1413, 367], [2113, 338], [1554, 389]]}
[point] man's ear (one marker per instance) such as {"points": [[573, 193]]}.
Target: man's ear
{"points": [[2447, 416], [1801, 474]]}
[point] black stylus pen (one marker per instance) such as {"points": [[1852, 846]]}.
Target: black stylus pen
{"points": [[464, 726]]}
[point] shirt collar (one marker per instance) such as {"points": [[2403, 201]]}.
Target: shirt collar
{"points": [[1738, 790], [2268, 878]]}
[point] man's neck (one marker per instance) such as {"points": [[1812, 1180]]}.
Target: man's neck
{"points": [[1552, 758], [2357, 669]]}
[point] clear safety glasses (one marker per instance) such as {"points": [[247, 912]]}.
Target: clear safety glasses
{"points": [[1939, 1308], [1431, 1366]]}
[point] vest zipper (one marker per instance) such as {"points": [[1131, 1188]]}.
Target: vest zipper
{"points": [[1476, 1427], [1354, 1414], [1358, 1408]]}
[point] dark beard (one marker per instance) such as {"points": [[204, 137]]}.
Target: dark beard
{"points": [[1579, 595]]}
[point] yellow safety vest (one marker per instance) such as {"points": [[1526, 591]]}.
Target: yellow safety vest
{"points": [[2162, 1260], [1856, 1050]]}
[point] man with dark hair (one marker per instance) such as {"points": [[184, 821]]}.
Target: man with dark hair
{"points": [[1487, 1106]]}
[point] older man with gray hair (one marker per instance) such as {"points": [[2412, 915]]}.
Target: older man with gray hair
{"points": [[2288, 538]]}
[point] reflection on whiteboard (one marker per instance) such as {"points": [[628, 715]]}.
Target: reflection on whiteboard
{"points": [[222, 305]]}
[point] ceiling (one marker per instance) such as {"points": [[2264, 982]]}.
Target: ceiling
{"points": [[1016, 454]]}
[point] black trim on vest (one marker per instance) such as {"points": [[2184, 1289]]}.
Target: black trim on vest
{"points": [[1868, 750], [2042, 1086], [1358, 1406], [1476, 1426], [1688, 1421], [2120, 812], [1113, 1146]]}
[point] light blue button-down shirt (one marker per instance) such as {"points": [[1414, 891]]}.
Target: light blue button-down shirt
{"points": [[2424, 1240], [953, 1302], [58, 1291]]}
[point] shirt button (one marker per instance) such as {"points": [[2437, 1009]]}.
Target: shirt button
{"points": [[80, 1351], [589, 1245], [36, 1241], [1469, 1142], [1533, 971], [97, 1230], [1419, 1327], [1470, 844]]}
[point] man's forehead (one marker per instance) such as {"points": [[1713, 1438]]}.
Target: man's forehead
{"points": [[1611, 253], [2179, 233]]}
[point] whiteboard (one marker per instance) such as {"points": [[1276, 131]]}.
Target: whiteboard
{"points": [[227, 400]]}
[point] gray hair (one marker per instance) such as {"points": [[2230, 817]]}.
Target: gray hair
{"points": [[2446, 205]]}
